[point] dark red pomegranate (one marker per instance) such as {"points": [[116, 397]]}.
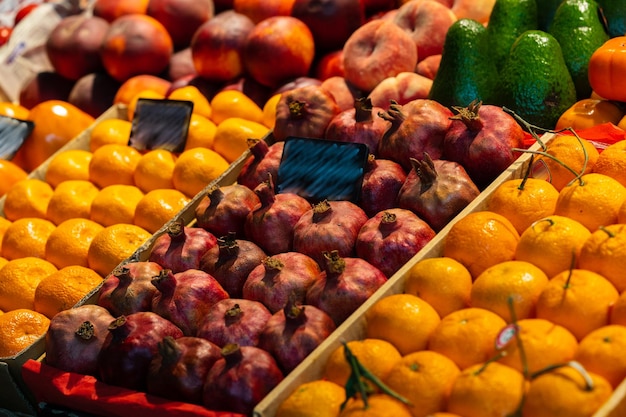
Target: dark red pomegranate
{"points": [[264, 161], [181, 247], [234, 320], [224, 209], [231, 261], [344, 284], [418, 126], [294, 332], [392, 237], [239, 380], [75, 337], [280, 277], [128, 289], [180, 367], [329, 225], [436, 190], [361, 124], [129, 347], [482, 138], [382, 181], [271, 224], [184, 298]]}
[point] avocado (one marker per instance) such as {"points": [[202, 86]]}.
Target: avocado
{"points": [[535, 82], [545, 13], [578, 28], [508, 20], [614, 12], [466, 71]]}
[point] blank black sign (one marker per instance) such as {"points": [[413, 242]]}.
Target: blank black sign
{"points": [[160, 124]]}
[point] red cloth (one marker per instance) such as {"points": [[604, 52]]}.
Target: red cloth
{"points": [[85, 393], [601, 135]]}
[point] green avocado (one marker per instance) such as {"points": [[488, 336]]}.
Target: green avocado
{"points": [[578, 28], [614, 12], [535, 82], [466, 71]]}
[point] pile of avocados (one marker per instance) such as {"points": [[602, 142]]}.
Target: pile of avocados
{"points": [[532, 57]]}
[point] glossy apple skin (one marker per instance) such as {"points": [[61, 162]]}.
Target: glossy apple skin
{"points": [[181, 18], [330, 65], [94, 93], [44, 86], [110, 10]]}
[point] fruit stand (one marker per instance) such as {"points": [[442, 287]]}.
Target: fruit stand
{"points": [[223, 208]]}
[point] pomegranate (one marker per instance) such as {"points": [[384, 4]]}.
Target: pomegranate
{"points": [[436, 190], [304, 112], [224, 209], [180, 367], [129, 347], [128, 289], [271, 223], [264, 160], [184, 298], [329, 225], [382, 180], [361, 124], [344, 284], [294, 332], [280, 275], [231, 261], [234, 320], [418, 126], [239, 380], [180, 247], [75, 337], [392, 237]]}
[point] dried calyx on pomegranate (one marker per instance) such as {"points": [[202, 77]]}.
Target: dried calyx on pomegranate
{"points": [[271, 224], [234, 320], [239, 380], [129, 347], [224, 209], [128, 289], [75, 337], [180, 367], [436, 190], [279, 277], [382, 181], [294, 332], [264, 161], [344, 284], [392, 237], [181, 247], [184, 298], [329, 225]]}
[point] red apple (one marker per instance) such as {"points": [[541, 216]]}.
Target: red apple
{"points": [[330, 65], [217, 46], [94, 93], [258, 10], [181, 18], [44, 86], [404, 87], [377, 50], [112, 9]]}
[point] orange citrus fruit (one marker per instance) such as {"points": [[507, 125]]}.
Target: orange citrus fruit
{"points": [[552, 243], [442, 282], [154, 170], [113, 164], [19, 329], [404, 320], [201, 104], [10, 173], [621, 213], [26, 237], [594, 201], [19, 279], [378, 405], [602, 352], [27, 198], [114, 244], [69, 242], [233, 103], [612, 162], [232, 134], [319, 398], [618, 311], [196, 168], [4, 225], [115, 204], [157, 207], [13, 110], [510, 284], [604, 252], [481, 239], [72, 164], [201, 132], [269, 111], [110, 131], [578, 300], [523, 201], [71, 199], [64, 288], [467, 336], [424, 378]]}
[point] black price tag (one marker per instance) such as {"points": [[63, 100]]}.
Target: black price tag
{"points": [[160, 124], [13, 133], [320, 169]]}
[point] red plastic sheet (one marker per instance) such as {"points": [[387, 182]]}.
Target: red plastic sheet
{"points": [[85, 393], [601, 135]]}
